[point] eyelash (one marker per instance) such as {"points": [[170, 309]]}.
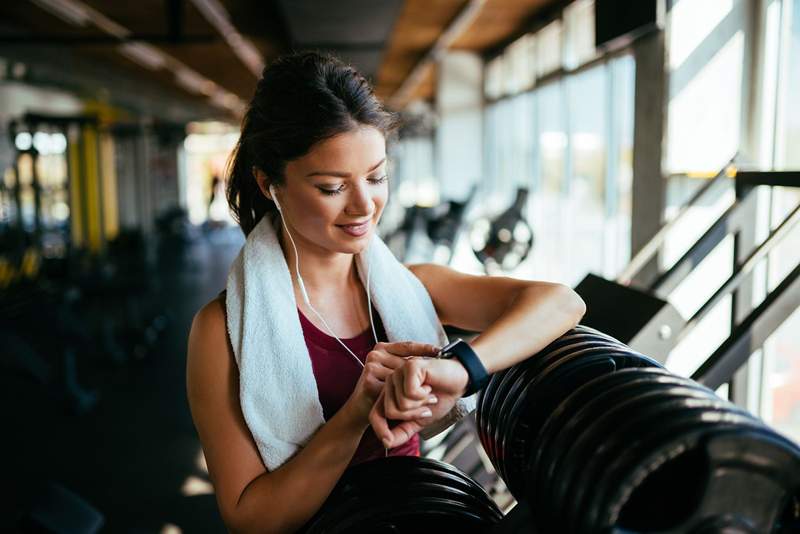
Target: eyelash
{"points": [[332, 192]]}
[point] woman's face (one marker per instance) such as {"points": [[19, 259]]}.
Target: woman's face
{"points": [[333, 196]]}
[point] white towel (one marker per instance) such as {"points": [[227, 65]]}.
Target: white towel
{"points": [[278, 391]]}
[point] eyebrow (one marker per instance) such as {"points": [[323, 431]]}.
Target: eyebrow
{"points": [[342, 174]]}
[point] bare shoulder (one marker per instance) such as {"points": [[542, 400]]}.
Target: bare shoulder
{"points": [[430, 273], [212, 387]]}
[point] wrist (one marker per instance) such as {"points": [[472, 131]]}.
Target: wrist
{"points": [[471, 364], [355, 416]]}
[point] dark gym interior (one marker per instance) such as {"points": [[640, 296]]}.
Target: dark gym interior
{"points": [[645, 153]]}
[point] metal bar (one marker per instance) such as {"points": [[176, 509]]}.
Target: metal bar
{"points": [[773, 178], [733, 282], [651, 248], [751, 333], [726, 224]]}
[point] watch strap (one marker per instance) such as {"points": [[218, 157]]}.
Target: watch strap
{"points": [[478, 376]]}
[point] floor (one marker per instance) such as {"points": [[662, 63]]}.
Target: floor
{"points": [[135, 457]]}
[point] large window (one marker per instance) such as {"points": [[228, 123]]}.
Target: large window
{"points": [[569, 140], [778, 375]]}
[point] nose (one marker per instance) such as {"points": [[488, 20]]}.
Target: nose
{"points": [[360, 201]]}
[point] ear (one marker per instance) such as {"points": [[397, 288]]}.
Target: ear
{"points": [[261, 179]]}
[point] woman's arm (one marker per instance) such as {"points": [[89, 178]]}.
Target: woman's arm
{"points": [[516, 318], [251, 499]]}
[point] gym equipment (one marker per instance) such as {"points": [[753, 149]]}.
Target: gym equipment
{"points": [[502, 243], [637, 318], [401, 493], [429, 234], [591, 436], [57, 510]]}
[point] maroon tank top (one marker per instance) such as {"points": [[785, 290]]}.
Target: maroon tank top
{"points": [[336, 374]]}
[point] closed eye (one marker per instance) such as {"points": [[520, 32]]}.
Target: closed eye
{"points": [[341, 188]]}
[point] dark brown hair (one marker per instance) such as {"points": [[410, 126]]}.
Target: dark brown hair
{"points": [[300, 100]]}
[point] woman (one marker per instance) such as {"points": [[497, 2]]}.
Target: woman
{"points": [[308, 185]]}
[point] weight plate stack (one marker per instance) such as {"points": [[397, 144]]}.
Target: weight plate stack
{"points": [[398, 494], [595, 437]]}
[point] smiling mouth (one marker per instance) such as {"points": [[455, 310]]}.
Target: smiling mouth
{"points": [[355, 229]]}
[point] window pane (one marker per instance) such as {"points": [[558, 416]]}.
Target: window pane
{"points": [[707, 54], [587, 153], [549, 49], [578, 33], [788, 142], [780, 405]]}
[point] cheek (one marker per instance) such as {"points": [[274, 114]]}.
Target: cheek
{"points": [[380, 200]]}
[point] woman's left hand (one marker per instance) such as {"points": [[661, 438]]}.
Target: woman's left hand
{"points": [[407, 387]]}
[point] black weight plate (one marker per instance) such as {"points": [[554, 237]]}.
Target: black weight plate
{"points": [[521, 443], [556, 382], [371, 475], [727, 449], [491, 404], [434, 475], [526, 397], [597, 444], [610, 411], [560, 379], [410, 467], [399, 494], [567, 421], [555, 425], [512, 386], [678, 428], [459, 514], [513, 425], [498, 398], [485, 398], [648, 418]]}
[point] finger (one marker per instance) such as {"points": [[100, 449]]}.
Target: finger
{"points": [[411, 415], [411, 348], [389, 403], [400, 405], [377, 419], [385, 358], [413, 385], [401, 433]]}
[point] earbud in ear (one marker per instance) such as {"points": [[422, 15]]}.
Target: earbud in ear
{"points": [[274, 196]]}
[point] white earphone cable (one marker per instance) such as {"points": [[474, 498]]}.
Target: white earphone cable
{"points": [[308, 300]]}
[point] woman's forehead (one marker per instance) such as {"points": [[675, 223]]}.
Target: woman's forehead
{"points": [[354, 152]]}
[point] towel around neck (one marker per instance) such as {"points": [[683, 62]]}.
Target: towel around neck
{"points": [[277, 389]]}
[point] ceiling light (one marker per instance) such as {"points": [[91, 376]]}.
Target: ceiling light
{"points": [[218, 17], [143, 54], [190, 80], [71, 12], [23, 141]]}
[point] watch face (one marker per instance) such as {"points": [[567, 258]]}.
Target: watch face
{"points": [[446, 350]]}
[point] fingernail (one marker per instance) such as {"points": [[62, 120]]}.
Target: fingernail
{"points": [[433, 399], [386, 443], [427, 413], [427, 389]]}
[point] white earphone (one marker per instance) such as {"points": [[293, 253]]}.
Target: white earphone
{"points": [[302, 286]]}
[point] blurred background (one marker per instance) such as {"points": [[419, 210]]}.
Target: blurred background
{"points": [[644, 152]]}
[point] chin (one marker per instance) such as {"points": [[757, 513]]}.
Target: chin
{"points": [[353, 246]]}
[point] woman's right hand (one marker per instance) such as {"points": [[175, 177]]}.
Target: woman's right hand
{"points": [[378, 366]]}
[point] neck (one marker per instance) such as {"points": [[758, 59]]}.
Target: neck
{"points": [[321, 269]]}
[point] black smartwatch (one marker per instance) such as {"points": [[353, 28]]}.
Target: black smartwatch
{"points": [[460, 350]]}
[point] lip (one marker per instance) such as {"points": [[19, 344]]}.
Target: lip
{"points": [[355, 229]]}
